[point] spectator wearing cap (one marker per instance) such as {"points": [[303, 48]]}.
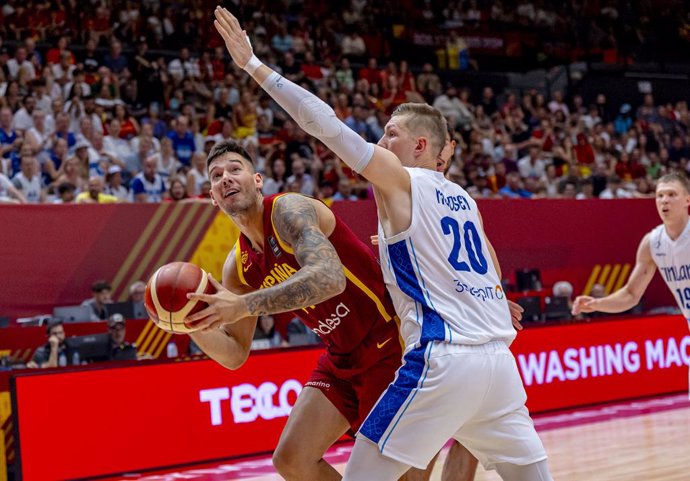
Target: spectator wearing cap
{"points": [[120, 350], [101, 295], [55, 352], [114, 185], [95, 194], [89, 165]]}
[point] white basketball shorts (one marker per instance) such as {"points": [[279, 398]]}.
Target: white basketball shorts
{"points": [[471, 393]]}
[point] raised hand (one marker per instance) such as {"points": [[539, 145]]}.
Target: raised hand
{"points": [[235, 38]]}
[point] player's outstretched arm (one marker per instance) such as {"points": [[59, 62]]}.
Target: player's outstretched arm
{"points": [[381, 167], [630, 294], [228, 345]]}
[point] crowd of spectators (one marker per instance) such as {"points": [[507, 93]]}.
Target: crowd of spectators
{"points": [[92, 115]]}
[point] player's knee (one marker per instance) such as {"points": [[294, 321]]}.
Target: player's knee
{"points": [[290, 461]]}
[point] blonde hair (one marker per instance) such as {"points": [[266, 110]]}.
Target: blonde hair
{"points": [[675, 177], [423, 119]]}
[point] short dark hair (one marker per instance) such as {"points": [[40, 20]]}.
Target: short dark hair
{"points": [[100, 286], [52, 324], [676, 177], [227, 146], [66, 187]]}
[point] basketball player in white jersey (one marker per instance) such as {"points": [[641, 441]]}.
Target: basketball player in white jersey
{"points": [[458, 378], [666, 247]]}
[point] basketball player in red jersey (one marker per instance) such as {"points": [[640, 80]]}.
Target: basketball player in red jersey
{"points": [[294, 254]]}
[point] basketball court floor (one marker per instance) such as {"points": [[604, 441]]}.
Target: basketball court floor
{"points": [[643, 440]]}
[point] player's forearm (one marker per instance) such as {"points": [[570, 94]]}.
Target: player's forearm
{"points": [[311, 285], [315, 117], [619, 301], [221, 347]]}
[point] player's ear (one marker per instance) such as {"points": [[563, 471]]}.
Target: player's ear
{"points": [[421, 146], [258, 181], [213, 200]]}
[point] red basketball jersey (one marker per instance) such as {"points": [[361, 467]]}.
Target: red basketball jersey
{"points": [[343, 321]]}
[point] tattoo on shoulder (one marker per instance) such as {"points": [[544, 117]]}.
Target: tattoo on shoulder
{"points": [[321, 275]]}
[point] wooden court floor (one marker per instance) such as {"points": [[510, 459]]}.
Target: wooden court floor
{"points": [[647, 440], [649, 447]]}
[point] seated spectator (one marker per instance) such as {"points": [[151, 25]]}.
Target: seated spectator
{"points": [[119, 148], [9, 194], [265, 335], [197, 175], [62, 130], [344, 191], [302, 181], [114, 185], [28, 181], [71, 172], [274, 180], [18, 62], [65, 193], [298, 334], [120, 350], [137, 291], [177, 192], [102, 292], [532, 165], [182, 141], [23, 118], [148, 185], [563, 289], [513, 188], [614, 189], [54, 353], [95, 194]]}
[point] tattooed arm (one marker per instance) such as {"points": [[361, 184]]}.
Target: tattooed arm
{"points": [[298, 223], [304, 224]]}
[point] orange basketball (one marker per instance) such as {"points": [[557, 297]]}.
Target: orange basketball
{"points": [[166, 295]]}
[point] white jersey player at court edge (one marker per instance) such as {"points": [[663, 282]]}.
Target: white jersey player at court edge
{"points": [[666, 248], [458, 378]]}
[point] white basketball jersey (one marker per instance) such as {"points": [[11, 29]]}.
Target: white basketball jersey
{"points": [[440, 273], [673, 260]]}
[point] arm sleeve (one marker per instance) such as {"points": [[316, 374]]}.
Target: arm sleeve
{"points": [[318, 119]]}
